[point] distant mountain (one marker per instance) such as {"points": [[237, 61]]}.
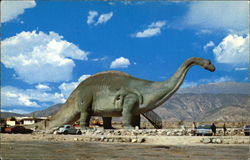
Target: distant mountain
{"points": [[206, 107], [9, 114], [46, 112], [216, 88]]}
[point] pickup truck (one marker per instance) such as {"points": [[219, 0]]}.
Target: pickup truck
{"points": [[68, 129]]}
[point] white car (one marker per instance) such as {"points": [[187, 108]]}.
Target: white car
{"points": [[68, 129], [204, 130]]}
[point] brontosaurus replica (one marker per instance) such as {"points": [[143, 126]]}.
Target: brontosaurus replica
{"points": [[113, 94]]}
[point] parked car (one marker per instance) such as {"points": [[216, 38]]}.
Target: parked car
{"points": [[68, 129], [204, 130], [246, 130], [2, 129], [17, 129]]}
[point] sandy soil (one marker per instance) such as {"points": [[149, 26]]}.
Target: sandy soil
{"points": [[55, 147]]}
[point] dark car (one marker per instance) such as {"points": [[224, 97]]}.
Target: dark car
{"points": [[204, 130], [246, 130], [17, 129]]}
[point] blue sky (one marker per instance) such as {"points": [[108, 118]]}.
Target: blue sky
{"points": [[48, 47]]}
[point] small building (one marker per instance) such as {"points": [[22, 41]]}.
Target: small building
{"points": [[30, 120], [11, 121]]}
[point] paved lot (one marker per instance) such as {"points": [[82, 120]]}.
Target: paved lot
{"points": [[67, 150]]}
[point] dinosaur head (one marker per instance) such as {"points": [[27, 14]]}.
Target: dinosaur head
{"points": [[208, 65]]}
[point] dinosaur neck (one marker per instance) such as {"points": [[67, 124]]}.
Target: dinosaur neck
{"points": [[165, 89]]}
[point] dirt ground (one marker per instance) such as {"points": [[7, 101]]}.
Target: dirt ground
{"points": [[68, 147]]}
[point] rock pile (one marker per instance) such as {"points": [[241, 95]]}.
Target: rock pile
{"points": [[137, 132], [207, 140]]}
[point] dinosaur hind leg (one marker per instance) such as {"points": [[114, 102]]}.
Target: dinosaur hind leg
{"points": [[136, 120], [107, 122], [85, 113]]}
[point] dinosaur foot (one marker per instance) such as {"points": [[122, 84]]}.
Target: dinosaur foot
{"points": [[129, 127], [85, 128]]}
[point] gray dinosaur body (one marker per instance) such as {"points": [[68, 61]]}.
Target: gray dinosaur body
{"points": [[113, 94]]}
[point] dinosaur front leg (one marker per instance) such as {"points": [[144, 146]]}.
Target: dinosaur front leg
{"points": [[130, 104], [84, 120]]}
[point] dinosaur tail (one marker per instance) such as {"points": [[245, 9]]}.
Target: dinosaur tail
{"points": [[68, 114]]}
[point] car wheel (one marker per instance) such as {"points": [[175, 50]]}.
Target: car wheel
{"points": [[246, 133], [65, 132], [79, 132]]}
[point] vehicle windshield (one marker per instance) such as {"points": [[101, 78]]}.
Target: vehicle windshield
{"points": [[204, 127], [247, 126]]}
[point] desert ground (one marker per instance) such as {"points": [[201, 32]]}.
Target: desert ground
{"points": [[45, 146]]}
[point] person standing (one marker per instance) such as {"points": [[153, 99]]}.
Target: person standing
{"points": [[194, 128], [224, 129], [213, 127]]}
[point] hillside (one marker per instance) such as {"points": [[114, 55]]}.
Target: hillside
{"points": [[9, 114], [46, 112], [206, 107]]}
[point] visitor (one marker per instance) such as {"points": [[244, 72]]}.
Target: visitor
{"points": [[194, 128], [224, 129], [213, 127]]}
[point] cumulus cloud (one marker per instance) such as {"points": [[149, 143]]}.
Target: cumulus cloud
{"points": [[43, 87], [91, 16], [12, 96], [67, 88], [240, 68], [209, 44], [39, 57], [11, 9], [103, 18], [120, 63], [152, 30], [218, 15], [233, 49]]}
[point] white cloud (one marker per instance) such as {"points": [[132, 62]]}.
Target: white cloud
{"points": [[219, 15], [241, 69], [100, 59], [157, 24], [120, 63], [19, 111], [104, 18], [209, 44], [222, 79], [12, 96], [11, 9], [91, 16], [233, 49], [67, 88], [40, 57], [188, 84], [152, 30], [148, 32], [43, 87]]}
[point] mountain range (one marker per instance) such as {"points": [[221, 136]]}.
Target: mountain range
{"points": [[225, 101]]}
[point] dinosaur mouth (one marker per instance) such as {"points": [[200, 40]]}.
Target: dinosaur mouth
{"points": [[211, 68]]}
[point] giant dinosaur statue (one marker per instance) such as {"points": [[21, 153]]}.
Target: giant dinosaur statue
{"points": [[113, 94]]}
